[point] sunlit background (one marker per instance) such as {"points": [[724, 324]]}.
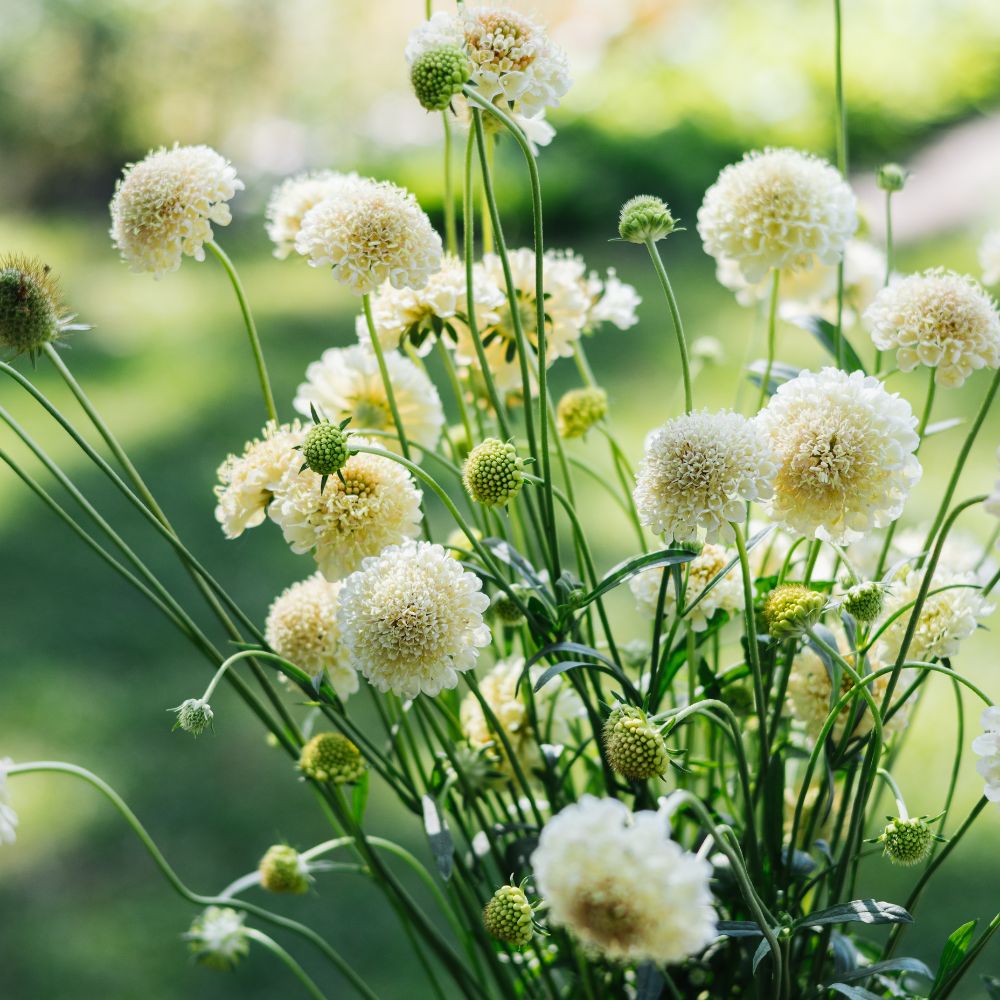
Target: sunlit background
{"points": [[665, 94]]}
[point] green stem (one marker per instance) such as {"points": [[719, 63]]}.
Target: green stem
{"points": [[275, 949], [450, 228], [675, 315], [366, 301], [772, 337], [841, 135]]}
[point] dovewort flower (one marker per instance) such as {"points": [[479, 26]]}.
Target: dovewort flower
{"points": [[989, 257], [370, 232], [698, 472], [845, 453], [376, 504], [987, 748], [164, 206], [293, 197], [777, 209], [940, 319], [618, 882], [302, 627], [8, 818], [346, 382], [218, 937], [411, 619]]}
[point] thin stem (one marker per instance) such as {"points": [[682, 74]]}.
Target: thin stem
{"points": [[841, 137], [366, 301], [772, 337], [275, 949], [450, 228], [675, 315]]}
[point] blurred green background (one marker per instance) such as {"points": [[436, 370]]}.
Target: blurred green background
{"points": [[666, 93]]}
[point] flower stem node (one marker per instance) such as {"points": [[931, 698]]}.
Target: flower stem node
{"points": [[891, 177], [438, 75], [791, 610], [194, 716], [492, 473], [579, 410], [29, 305], [508, 916], [217, 937], [864, 601], [645, 217], [907, 841], [635, 746], [332, 757], [283, 870]]}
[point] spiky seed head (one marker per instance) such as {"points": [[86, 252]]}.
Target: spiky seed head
{"points": [[645, 217], [508, 916], [438, 75], [864, 601], [891, 177], [332, 757], [580, 409], [30, 310], [283, 870], [325, 449], [492, 473], [792, 609], [635, 746], [194, 716], [907, 841]]}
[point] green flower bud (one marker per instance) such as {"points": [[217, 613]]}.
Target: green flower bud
{"points": [[791, 610], [283, 870], [635, 747], [645, 218], [579, 410], [217, 938], [907, 841], [438, 75], [30, 313], [864, 601], [891, 177], [492, 473], [332, 757], [508, 916], [506, 610], [194, 716], [325, 448]]}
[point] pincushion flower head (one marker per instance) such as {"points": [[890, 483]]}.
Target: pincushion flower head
{"points": [[698, 473], [845, 453], [618, 883], [302, 627], [164, 206], [777, 209], [346, 382], [293, 197], [411, 619], [940, 319], [370, 232], [247, 482], [987, 748], [375, 504]]}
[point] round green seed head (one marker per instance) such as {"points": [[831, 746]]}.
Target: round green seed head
{"points": [[579, 410], [907, 841], [891, 177], [282, 870], [194, 716], [29, 305], [635, 747], [492, 473], [437, 76], [506, 610], [507, 916], [791, 610], [645, 218], [325, 449], [864, 602], [332, 757]]}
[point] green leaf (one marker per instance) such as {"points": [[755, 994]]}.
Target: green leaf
{"points": [[825, 332], [739, 928], [780, 373], [442, 845], [864, 911], [620, 573], [649, 982], [604, 665], [913, 965], [853, 992], [751, 544], [954, 951], [758, 956]]}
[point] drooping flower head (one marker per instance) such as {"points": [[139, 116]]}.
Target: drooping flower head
{"points": [[940, 319], [907, 841], [370, 232], [293, 197], [164, 206], [346, 382], [845, 453], [698, 472], [411, 619], [618, 882], [302, 627], [777, 209], [194, 716]]}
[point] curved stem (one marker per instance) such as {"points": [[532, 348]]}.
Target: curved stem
{"points": [[275, 949], [366, 301], [675, 315]]}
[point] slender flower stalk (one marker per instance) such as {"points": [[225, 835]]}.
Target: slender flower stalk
{"points": [[675, 316], [772, 327], [841, 138], [390, 395]]}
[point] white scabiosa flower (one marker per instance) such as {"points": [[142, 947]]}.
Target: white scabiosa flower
{"points": [[960, 553], [989, 257], [346, 382], [618, 882], [293, 197], [164, 206], [376, 504], [302, 627], [698, 472], [777, 209], [845, 452], [727, 594], [946, 619], [612, 301], [987, 748], [940, 319], [247, 482], [8, 818], [411, 619], [369, 233], [218, 937]]}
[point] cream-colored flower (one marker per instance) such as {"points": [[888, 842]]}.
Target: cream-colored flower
{"points": [[368, 233], [165, 204], [621, 885], [343, 524], [987, 748], [612, 301], [247, 482], [302, 627], [346, 382], [727, 594], [777, 209], [411, 619], [845, 450], [961, 552], [293, 197], [992, 505], [698, 473], [989, 257], [940, 319]]}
